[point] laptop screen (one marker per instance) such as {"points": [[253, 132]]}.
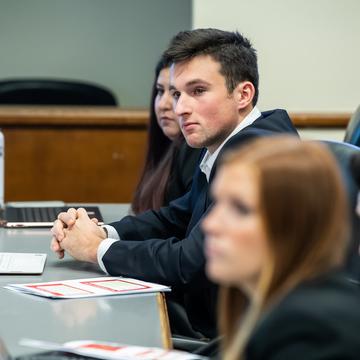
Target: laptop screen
{"points": [[41, 216]]}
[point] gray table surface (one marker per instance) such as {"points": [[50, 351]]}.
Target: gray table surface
{"points": [[125, 319]]}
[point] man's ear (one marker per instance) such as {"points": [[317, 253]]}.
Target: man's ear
{"points": [[244, 94]]}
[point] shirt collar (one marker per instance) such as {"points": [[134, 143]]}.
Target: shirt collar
{"points": [[208, 160]]}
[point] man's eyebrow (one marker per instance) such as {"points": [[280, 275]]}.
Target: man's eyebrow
{"points": [[190, 84], [196, 82]]}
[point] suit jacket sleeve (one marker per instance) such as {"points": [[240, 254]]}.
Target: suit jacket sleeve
{"points": [[155, 245], [169, 221], [171, 261]]}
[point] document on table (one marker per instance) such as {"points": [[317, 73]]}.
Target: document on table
{"points": [[21, 263], [112, 351], [82, 288]]}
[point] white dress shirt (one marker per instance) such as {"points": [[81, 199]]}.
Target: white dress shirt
{"points": [[205, 166]]}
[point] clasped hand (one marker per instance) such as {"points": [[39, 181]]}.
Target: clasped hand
{"points": [[77, 234]]}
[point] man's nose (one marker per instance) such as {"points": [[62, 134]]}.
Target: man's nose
{"points": [[182, 105]]}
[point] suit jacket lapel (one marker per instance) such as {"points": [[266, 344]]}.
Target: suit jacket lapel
{"points": [[201, 202]]}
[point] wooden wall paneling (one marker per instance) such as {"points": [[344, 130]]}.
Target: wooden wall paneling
{"points": [[72, 154], [72, 164], [87, 154]]}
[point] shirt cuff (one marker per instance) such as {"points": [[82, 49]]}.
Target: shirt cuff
{"points": [[111, 232], [113, 236]]}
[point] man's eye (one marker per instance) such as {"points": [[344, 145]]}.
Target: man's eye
{"points": [[199, 91]]}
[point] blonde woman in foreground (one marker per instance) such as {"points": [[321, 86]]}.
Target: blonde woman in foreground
{"points": [[275, 240]]}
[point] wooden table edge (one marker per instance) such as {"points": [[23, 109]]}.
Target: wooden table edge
{"points": [[164, 321]]}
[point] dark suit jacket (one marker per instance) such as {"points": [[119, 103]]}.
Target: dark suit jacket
{"points": [[319, 320], [166, 246]]}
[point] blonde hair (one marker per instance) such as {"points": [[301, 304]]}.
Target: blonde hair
{"points": [[304, 211]]}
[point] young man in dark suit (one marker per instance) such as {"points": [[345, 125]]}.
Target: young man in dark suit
{"points": [[214, 82]]}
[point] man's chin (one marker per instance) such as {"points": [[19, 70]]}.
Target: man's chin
{"points": [[193, 143]]}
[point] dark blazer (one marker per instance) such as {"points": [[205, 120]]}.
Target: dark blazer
{"points": [[183, 165], [319, 320], [166, 246]]}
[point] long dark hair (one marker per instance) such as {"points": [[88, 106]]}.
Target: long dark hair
{"points": [[151, 188]]}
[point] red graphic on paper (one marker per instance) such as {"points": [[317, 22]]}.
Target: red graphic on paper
{"points": [[45, 288], [102, 347], [100, 284]]}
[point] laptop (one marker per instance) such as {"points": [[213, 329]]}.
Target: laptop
{"points": [[27, 216]]}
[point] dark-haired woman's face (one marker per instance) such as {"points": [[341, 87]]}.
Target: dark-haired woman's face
{"points": [[166, 117], [235, 237]]}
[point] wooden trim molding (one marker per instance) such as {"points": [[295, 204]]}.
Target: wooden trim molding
{"points": [[79, 116], [114, 116], [322, 120]]}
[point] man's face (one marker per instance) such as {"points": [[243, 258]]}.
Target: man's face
{"points": [[207, 112]]}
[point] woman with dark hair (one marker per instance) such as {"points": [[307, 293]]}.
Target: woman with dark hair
{"points": [[276, 245], [170, 162]]}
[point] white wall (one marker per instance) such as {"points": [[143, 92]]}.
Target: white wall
{"points": [[322, 134], [309, 50]]}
